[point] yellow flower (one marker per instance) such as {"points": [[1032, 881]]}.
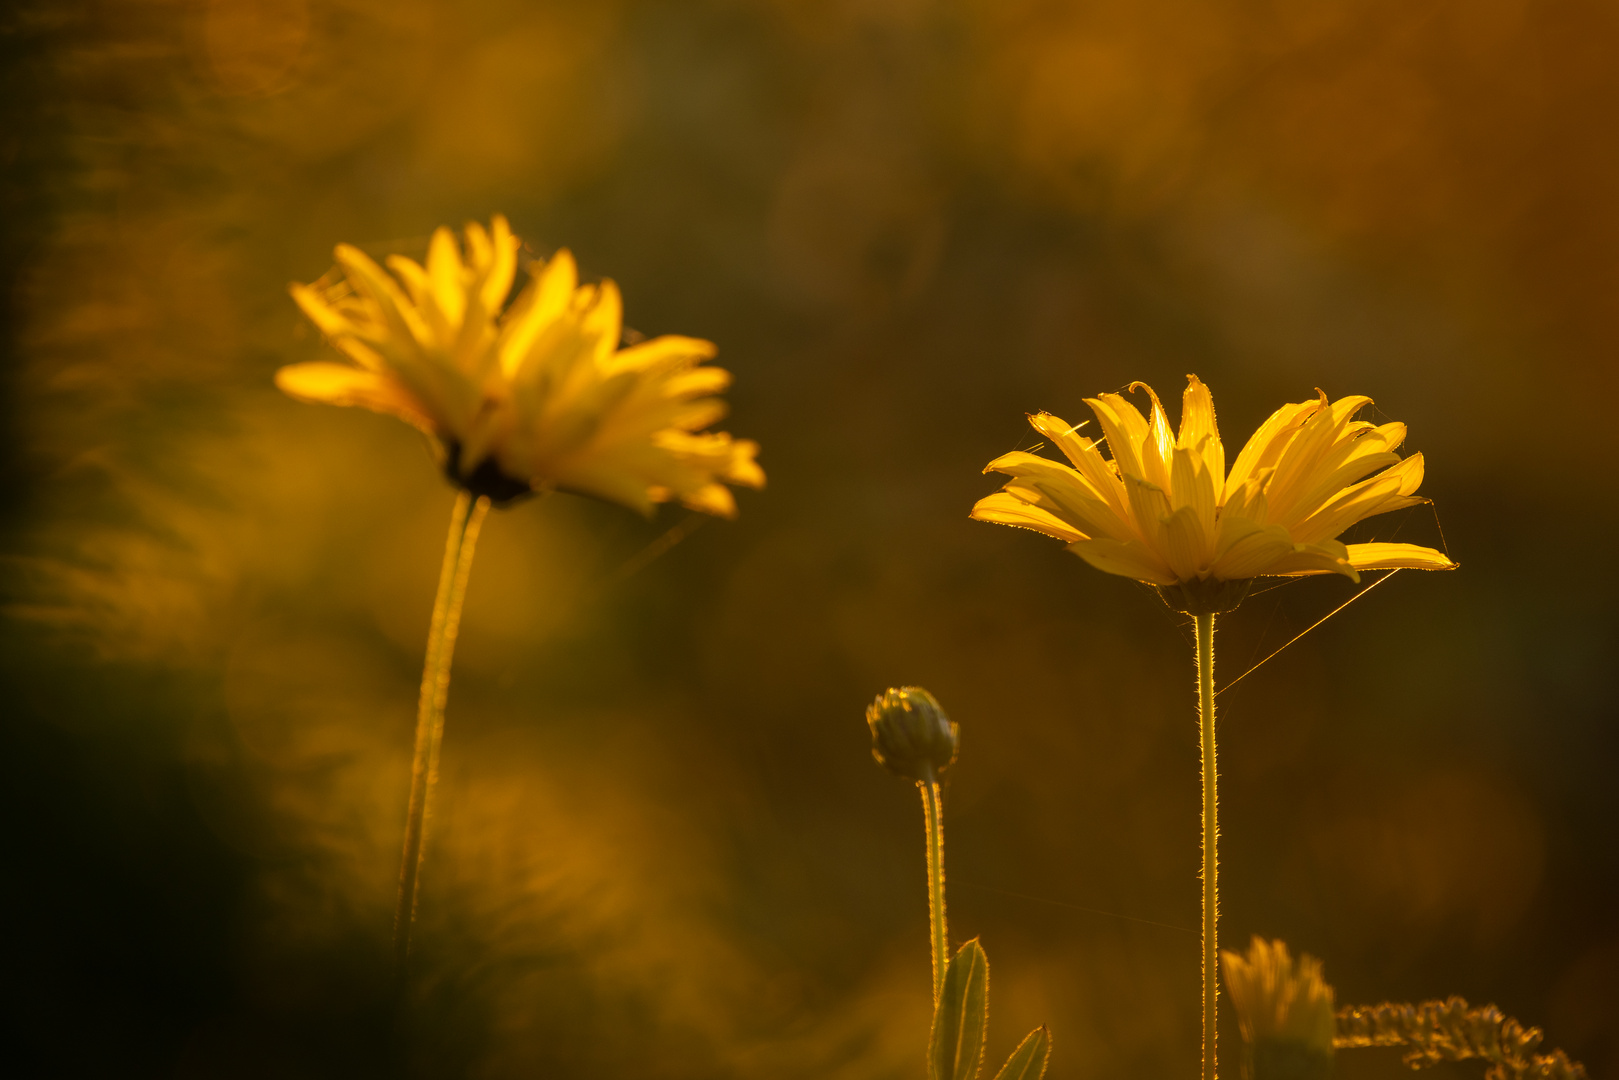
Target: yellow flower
{"points": [[530, 395], [1164, 510], [1277, 1000]]}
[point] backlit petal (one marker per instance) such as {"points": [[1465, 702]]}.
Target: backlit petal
{"points": [[1389, 490], [1125, 429], [1329, 557], [1086, 458], [1129, 560], [1197, 424], [1267, 444], [1004, 508], [1159, 445], [1251, 551], [340, 384], [1186, 544], [1398, 557]]}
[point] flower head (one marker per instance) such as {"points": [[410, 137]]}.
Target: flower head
{"points": [[528, 395], [910, 734], [1164, 510], [1285, 1011]]}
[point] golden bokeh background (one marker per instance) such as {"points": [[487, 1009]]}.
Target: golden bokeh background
{"points": [[662, 848]]}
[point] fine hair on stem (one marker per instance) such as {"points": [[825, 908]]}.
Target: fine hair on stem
{"points": [[1211, 837], [933, 816]]}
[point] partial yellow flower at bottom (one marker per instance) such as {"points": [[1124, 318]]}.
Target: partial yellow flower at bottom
{"points": [[530, 395], [1285, 1010], [1164, 510]]}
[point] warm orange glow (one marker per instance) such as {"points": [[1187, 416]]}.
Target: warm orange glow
{"points": [[663, 849]]}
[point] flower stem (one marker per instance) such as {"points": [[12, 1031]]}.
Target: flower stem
{"points": [[933, 815], [1211, 857], [465, 520]]}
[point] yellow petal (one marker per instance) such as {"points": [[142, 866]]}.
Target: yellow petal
{"points": [[420, 287], [1125, 429], [497, 285], [1198, 423], [1251, 550], [330, 321], [604, 320], [404, 324], [1328, 557], [1192, 486], [557, 282], [1356, 455], [1022, 464], [1346, 407], [1148, 509], [1186, 544], [1392, 489], [697, 382], [1066, 493], [665, 349], [699, 414], [1160, 441], [741, 468], [1398, 557], [339, 384], [444, 270], [1004, 508], [1267, 444], [1129, 560], [601, 480], [713, 499], [1087, 460], [1296, 466]]}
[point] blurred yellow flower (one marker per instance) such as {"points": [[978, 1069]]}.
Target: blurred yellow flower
{"points": [[1163, 509], [527, 396], [1278, 1000]]}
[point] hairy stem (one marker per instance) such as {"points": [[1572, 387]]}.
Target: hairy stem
{"points": [[465, 521], [1211, 857], [933, 813]]}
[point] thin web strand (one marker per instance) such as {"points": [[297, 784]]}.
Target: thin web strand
{"points": [[1306, 630], [653, 551]]}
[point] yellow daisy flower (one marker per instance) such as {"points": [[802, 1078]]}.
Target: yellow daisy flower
{"points": [[530, 395], [1164, 510], [1280, 1000]]}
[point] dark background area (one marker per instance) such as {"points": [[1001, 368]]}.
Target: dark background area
{"points": [[663, 849]]}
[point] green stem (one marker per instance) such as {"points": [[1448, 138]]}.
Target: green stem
{"points": [[1211, 857], [465, 520], [933, 814]]}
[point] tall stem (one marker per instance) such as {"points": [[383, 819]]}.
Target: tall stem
{"points": [[933, 813], [1211, 856], [465, 520]]}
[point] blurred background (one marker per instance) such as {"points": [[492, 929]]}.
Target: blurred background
{"points": [[662, 848]]}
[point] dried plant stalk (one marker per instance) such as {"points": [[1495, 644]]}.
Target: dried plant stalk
{"points": [[1451, 1030]]}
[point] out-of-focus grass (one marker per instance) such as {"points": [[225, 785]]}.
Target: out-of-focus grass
{"points": [[663, 849]]}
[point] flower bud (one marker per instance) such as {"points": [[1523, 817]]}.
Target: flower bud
{"points": [[910, 734], [1285, 1011]]}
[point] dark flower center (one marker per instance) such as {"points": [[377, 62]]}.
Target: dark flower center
{"points": [[487, 480]]}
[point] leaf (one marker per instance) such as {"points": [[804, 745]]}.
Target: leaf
{"points": [[956, 1047], [1028, 1061]]}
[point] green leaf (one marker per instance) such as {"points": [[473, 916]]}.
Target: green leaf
{"points": [[1028, 1061], [957, 1045]]}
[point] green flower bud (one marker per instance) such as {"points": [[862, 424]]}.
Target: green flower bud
{"points": [[910, 734]]}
